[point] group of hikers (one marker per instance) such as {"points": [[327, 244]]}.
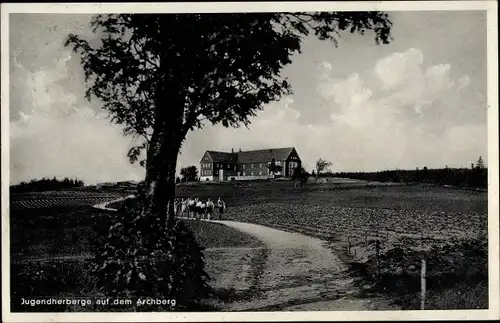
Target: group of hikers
{"points": [[195, 208]]}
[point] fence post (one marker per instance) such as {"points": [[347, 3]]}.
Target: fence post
{"points": [[423, 284]]}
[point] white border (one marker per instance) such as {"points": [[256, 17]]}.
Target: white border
{"points": [[493, 221]]}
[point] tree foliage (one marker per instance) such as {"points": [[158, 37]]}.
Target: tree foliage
{"points": [[46, 184], [459, 177], [322, 166], [300, 175], [480, 163], [189, 174]]}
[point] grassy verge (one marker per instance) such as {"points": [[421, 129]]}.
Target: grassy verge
{"points": [[215, 235]]}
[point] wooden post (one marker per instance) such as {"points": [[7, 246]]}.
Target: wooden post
{"points": [[423, 285]]}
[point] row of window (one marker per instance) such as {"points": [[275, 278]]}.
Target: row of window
{"points": [[252, 173], [292, 166], [261, 165], [228, 166]]}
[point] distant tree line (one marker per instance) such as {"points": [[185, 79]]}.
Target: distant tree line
{"points": [[45, 184], [476, 176]]}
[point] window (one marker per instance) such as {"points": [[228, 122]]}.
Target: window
{"points": [[251, 173], [251, 165], [278, 163], [244, 174], [260, 173], [243, 166]]}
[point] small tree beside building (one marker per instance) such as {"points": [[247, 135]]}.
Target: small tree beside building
{"points": [[322, 166], [189, 174]]}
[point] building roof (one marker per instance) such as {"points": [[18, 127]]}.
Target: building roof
{"points": [[263, 155], [222, 157], [251, 156]]}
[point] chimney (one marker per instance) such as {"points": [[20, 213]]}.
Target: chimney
{"points": [[240, 150], [232, 150]]}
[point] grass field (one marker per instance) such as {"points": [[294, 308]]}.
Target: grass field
{"points": [[346, 214], [51, 248], [409, 218]]}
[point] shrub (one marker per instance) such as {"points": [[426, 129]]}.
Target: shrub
{"points": [[40, 280], [140, 258], [458, 267]]}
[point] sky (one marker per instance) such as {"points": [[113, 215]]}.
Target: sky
{"points": [[418, 101]]}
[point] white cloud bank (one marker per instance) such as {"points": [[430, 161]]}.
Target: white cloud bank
{"points": [[390, 124], [54, 136]]}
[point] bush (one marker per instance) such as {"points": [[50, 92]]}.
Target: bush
{"points": [[458, 267], [41, 280], [139, 258]]}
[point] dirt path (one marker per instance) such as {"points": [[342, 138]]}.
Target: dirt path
{"points": [[298, 273]]}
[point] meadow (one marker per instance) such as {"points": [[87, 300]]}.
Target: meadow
{"points": [[392, 226], [52, 246], [381, 231]]}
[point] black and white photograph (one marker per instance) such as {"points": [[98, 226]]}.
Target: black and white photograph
{"points": [[250, 161]]}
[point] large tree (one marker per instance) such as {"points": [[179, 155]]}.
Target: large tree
{"points": [[162, 75]]}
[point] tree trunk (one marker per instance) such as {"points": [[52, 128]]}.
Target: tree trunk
{"points": [[169, 132], [160, 173]]}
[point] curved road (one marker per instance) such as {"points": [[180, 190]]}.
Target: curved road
{"points": [[299, 273]]}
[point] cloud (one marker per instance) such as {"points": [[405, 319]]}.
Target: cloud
{"points": [[399, 68], [55, 136]]}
